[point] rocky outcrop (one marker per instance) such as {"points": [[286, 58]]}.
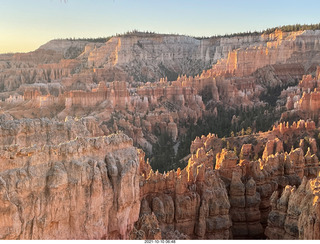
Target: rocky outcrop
{"points": [[158, 108], [206, 142], [86, 99], [147, 228], [295, 128], [226, 163], [40, 132], [63, 191], [308, 83], [87, 188], [246, 151], [295, 213], [166, 52], [310, 101], [65, 180], [149, 57], [243, 62], [192, 201], [112, 81], [272, 147], [237, 55], [276, 169], [304, 99], [244, 211]]}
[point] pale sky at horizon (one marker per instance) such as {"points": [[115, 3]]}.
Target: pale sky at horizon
{"points": [[27, 24]]}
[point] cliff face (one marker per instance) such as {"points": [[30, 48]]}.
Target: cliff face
{"points": [[101, 188], [233, 201], [166, 53], [303, 100], [86, 188], [239, 55], [271, 49], [192, 201], [251, 183], [295, 213], [151, 57], [64, 179], [39, 132]]}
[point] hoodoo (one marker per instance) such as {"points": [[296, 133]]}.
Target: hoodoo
{"points": [[162, 136]]}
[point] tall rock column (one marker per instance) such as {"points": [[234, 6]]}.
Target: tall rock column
{"points": [[296, 214], [244, 212]]}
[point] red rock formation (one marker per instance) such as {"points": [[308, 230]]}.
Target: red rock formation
{"points": [[192, 201], [295, 214], [273, 172], [146, 228], [295, 128], [55, 71], [311, 165], [84, 99], [226, 163], [308, 83], [119, 94], [273, 146], [297, 158], [31, 94], [206, 142], [62, 192], [310, 102], [244, 211], [246, 151], [188, 203], [244, 62], [39, 132]]}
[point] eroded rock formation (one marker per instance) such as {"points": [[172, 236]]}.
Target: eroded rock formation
{"points": [[244, 212], [102, 188], [69, 177], [250, 184], [192, 201], [87, 188], [295, 213]]}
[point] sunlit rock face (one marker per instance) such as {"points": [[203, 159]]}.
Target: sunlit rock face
{"points": [[182, 200], [189, 203], [87, 188], [102, 188], [70, 177], [40, 132], [251, 183], [149, 57]]}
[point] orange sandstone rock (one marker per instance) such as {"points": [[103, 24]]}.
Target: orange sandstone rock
{"points": [[65, 190], [295, 214]]}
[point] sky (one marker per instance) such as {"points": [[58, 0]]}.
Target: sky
{"points": [[27, 24]]}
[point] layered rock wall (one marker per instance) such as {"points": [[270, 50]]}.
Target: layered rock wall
{"points": [[192, 201], [87, 188], [146, 57], [39, 132], [244, 211], [295, 213]]}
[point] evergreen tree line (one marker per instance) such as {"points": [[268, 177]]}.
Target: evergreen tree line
{"points": [[98, 39], [249, 120], [135, 32], [163, 157], [296, 27], [284, 28], [272, 94]]}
